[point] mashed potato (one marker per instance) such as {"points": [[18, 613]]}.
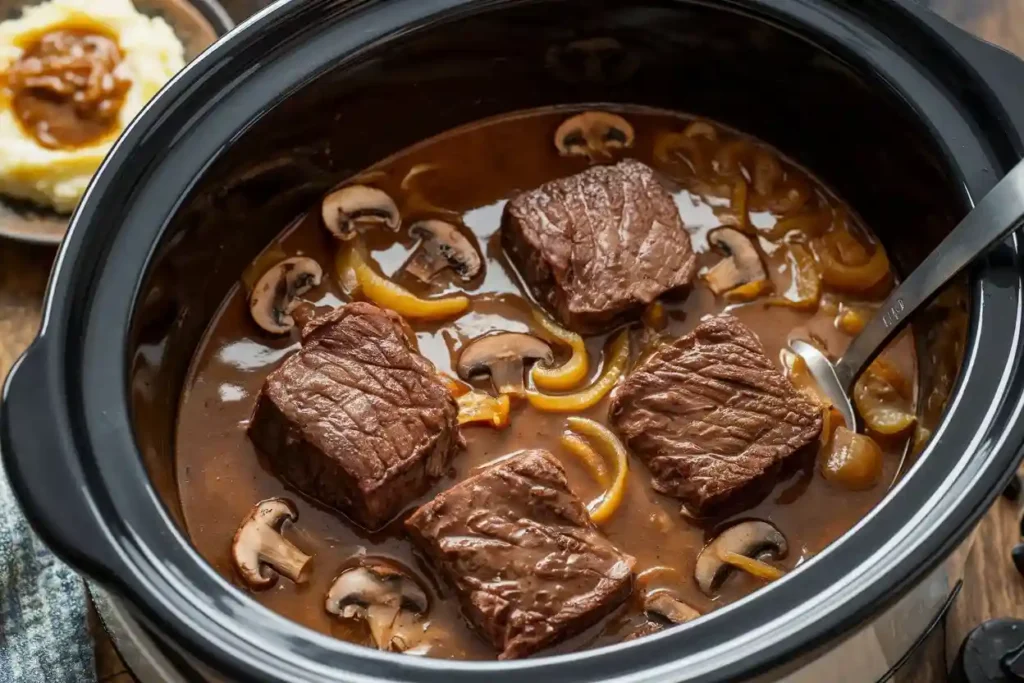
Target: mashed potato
{"points": [[150, 55]]}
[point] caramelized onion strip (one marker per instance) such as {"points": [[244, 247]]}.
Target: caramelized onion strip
{"points": [[752, 566], [615, 366], [356, 274], [880, 398], [851, 278], [570, 373], [583, 451], [602, 509], [687, 146], [477, 406], [671, 148], [811, 224], [654, 316], [805, 293], [737, 215]]}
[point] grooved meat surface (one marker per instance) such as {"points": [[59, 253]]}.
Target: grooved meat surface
{"points": [[597, 246], [357, 418], [712, 417], [530, 567]]}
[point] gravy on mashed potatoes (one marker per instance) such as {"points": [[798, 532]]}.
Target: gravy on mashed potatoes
{"points": [[73, 74]]}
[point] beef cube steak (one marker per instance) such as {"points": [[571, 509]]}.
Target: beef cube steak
{"points": [[357, 419], [712, 417], [529, 566], [597, 246]]}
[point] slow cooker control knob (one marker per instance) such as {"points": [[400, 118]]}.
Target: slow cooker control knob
{"points": [[992, 653], [1017, 554], [1013, 489]]}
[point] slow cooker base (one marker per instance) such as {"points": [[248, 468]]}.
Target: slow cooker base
{"points": [[140, 654], [147, 662]]}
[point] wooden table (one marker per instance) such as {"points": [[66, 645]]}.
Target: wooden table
{"points": [[993, 588]]}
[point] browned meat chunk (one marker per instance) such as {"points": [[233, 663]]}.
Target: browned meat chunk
{"points": [[357, 419], [529, 566], [597, 246], [712, 417]]}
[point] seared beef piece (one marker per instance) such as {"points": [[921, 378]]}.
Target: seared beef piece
{"points": [[597, 246], [529, 566], [357, 419], [712, 417]]}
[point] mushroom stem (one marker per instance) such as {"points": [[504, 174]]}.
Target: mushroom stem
{"points": [[286, 558], [423, 266], [381, 620], [507, 378]]}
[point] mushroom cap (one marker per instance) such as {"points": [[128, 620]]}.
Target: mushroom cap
{"points": [[276, 293], [258, 542], [374, 582], [741, 265], [750, 538], [670, 607], [482, 353], [593, 133], [386, 596], [345, 208], [442, 245]]}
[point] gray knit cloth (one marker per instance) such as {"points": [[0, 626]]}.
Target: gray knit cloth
{"points": [[44, 631]]}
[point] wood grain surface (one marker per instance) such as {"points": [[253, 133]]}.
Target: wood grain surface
{"points": [[992, 586]]}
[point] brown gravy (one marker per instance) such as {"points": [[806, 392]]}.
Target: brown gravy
{"points": [[66, 89], [466, 175]]}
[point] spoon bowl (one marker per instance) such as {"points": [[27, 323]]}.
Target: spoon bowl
{"points": [[824, 373]]}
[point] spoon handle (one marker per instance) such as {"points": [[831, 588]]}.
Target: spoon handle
{"points": [[998, 214]]}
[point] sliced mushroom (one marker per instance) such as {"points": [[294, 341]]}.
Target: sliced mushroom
{"points": [[750, 538], [666, 605], [386, 596], [345, 209], [593, 134], [504, 357], [442, 246], [259, 545], [276, 295], [742, 264]]}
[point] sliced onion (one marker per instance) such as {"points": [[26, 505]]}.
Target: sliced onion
{"points": [[805, 292], [853, 461], [752, 566], [585, 453], [604, 507], [879, 395], [811, 224], [853, 278]]}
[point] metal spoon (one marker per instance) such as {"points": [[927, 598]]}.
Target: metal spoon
{"points": [[999, 213]]}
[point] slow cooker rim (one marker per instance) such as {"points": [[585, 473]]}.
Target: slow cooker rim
{"points": [[53, 341]]}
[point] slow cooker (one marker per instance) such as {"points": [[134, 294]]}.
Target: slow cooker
{"points": [[907, 117]]}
